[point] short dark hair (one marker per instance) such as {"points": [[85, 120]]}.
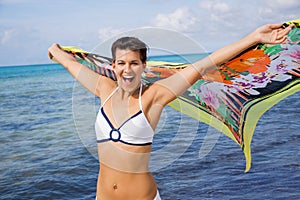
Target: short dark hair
{"points": [[131, 43]]}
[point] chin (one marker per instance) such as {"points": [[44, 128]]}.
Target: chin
{"points": [[130, 88]]}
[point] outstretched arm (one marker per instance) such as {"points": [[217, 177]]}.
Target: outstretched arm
{"points": [[172, 87], [267, 34], [89, 79]]}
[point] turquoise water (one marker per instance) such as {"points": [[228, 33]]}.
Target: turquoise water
{"points": [[44, 155], [184, 58]]}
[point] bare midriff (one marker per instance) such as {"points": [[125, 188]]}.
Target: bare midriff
{"points": [[124, 172]]}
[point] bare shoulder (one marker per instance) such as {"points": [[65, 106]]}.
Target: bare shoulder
{"points": [[157, 93], [105, 86], [151, 106], [149, 92]]}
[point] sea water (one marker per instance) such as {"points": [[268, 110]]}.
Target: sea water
{"points": [[45, 155]]}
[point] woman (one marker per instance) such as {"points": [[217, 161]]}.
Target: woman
{"points": [[130, 111]]}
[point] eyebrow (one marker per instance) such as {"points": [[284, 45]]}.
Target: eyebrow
{"points": [[124, 61]]}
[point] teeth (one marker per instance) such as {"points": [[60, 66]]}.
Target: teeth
{"points": [[128, 78]]}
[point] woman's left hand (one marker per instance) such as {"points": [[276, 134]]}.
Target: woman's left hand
{"points": [[272, 33]]}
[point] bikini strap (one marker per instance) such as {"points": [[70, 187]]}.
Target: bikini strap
{"points": [[140, 97], [109, 96]]}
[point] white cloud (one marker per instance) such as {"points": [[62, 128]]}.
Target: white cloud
{"points": [[213, 23], [108, 32], [7, 36], [279, 10], [27, 43], [221, 13], [239, 17], [181, 19], [216, 7], [286, 4], [221, 7]]}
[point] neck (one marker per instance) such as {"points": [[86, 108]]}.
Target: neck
{"points": [[127, 94]]}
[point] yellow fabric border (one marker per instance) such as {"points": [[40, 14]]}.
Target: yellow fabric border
{"points": [[74, 48], [294, 21], [193, 110], [255, 110]]}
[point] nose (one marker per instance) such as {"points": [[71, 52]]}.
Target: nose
{"points": [[127, 67]]}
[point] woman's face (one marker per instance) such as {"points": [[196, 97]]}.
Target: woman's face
{"points": [[128, 68]]}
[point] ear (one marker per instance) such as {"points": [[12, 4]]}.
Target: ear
{"points": [[113, 64]]}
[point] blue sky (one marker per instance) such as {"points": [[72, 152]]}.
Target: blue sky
{"points": [[28, 27]]}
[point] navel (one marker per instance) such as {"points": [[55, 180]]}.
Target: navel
{"points": [[115, 186]]}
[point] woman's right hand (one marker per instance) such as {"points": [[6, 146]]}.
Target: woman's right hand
{"points": [[51, 49]]}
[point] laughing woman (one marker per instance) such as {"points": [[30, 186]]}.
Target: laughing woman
{"points": [[130, 111]]}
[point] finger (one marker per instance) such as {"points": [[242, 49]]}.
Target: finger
{"points": [[282, 40], [291, 25], [275, 26], [50, 55], [285, 31]]}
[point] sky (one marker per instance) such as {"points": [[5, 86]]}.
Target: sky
{"points": [[29, 27]]}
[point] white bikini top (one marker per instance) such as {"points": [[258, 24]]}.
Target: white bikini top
{"points": [[136, 130]]}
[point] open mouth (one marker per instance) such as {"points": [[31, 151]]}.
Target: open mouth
{"points": [[128, 78]]}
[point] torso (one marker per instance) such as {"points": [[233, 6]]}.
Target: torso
{"points": [[124, 172], [115, 183]]}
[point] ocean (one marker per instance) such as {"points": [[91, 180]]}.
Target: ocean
{"points": [[48, 147]]}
